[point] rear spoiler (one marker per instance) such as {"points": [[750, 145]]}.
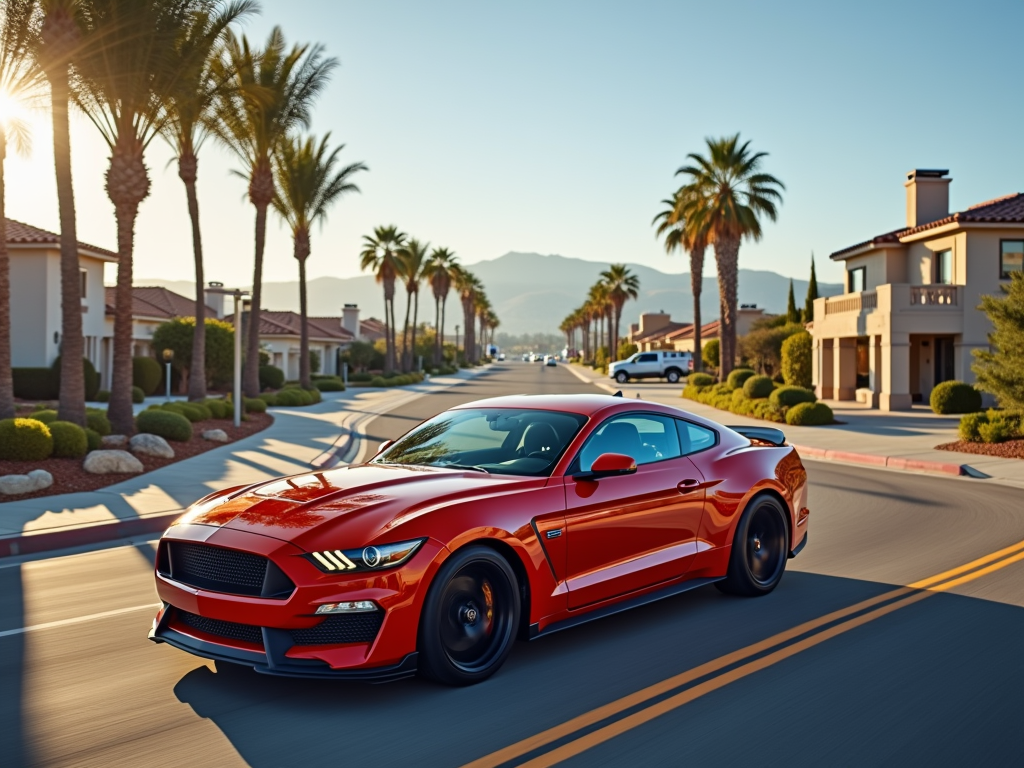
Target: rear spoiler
{"points": [[768, 435]]}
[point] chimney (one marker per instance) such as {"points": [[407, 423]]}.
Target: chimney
{"points": [[350, 319], [215, 300], [927, 196]]}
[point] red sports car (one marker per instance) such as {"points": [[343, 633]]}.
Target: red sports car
{"points": [[503, 518]]}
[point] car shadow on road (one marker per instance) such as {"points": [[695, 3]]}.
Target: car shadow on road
{"points": [[13, 741], [931, 648]]}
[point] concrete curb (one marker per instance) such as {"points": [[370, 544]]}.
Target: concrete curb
{"points": [[889, 462]]}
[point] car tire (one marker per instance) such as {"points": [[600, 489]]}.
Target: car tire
{"points": [[760, 548], [621, 377], [673, 376], [470, 618]]}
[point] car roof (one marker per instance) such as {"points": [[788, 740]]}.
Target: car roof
{"points": [[586, 405]]}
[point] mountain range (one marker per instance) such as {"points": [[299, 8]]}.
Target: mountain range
{"points": [[533, 293]]}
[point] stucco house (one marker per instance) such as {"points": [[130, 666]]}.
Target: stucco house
{"points": [[656, 330], [909, 319]]}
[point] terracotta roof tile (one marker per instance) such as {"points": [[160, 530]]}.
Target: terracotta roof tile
{"points": [[662, 332], [19, 232], [707, 330], [151, 301]]}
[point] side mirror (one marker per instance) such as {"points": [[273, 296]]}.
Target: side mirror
{"points": [[384, 446], [608, 465]]}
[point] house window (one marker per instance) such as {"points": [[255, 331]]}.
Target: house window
{"points": [[855, 280], [84, 281], [1011, 257], [944, 267]]}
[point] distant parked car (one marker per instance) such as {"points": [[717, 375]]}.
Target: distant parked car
{"points": [[550, 360], [501, 356], [661, 364]]}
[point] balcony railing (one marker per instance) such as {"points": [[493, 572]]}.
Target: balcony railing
{"points": [[933, 296], [851, 302]]}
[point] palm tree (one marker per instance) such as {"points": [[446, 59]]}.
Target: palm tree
{"points": [[271, 93], [599, 305], [19, 82], [411, 261], [190, 120], [380, 255], [729, 193], [309, 182], [482, 307], [438, 271], [59, 41], [623, 285], [468, 287], [127, 70], [684, 232]]}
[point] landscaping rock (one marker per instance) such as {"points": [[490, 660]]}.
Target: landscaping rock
{"points": [[114, 441], [36, 480], [150, 445], [112, 462], [216, 435]]}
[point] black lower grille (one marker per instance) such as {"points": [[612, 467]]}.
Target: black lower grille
{"points": [[355, 628], [227, 629], [217, 569]]}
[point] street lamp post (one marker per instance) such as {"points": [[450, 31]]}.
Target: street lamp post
{"points": [[239, 296], [168, 357]]}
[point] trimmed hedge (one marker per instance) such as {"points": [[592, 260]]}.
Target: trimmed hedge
{"points": [[809, 415], [219, 409], [955, 397], [69, 440], [756, 387], [329, 385], [25, 440], [146, 374], [97, 421], [700, 380], [45, 415], [103, 396], [35, 383], [796, 359], [166, 424], [738, 377], [138, 396], [94, 440], [271, 377], [993, 426], [253, 405], [788, 396]]}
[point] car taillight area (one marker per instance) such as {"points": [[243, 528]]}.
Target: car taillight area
{"points": [[222, 570]]}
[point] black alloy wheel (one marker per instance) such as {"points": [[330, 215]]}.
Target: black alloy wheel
{"points": [[760, 549], [621, 377], [470, 618]]}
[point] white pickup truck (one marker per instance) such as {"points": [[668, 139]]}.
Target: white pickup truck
{"points": [[662, 364]]}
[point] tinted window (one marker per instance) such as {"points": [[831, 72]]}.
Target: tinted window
{"points": [[644, 437], [1011, 257], [647, 359], [693, 438], [856, 280], [944, 267]]}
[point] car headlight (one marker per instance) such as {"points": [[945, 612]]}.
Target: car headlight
{"points": [[373, 558]]}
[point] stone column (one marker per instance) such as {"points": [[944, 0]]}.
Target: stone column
{"points": [[874, 368], [844, 361], [895, 395], [824, 389]]}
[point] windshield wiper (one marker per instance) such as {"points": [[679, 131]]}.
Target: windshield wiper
{"points": [[466, 466]]}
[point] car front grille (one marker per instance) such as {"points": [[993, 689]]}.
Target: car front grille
{"points": [[226, 570], [226, 629], [355, 628]]}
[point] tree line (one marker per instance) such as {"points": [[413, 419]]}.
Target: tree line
{"points": [[597, 320]]}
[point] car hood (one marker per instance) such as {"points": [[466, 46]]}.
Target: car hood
{"points": [[360, 502]]}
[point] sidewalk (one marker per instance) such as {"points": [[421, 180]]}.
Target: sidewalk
{"points": [[325, 433], [867, 436]]}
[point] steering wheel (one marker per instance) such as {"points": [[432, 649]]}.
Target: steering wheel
{"points": [[539, 455]]}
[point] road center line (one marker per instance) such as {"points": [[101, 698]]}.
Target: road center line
{"points": [[77, 620], [901, 597]]}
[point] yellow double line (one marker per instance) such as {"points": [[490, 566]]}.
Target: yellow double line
{"points": [[855, 616]]}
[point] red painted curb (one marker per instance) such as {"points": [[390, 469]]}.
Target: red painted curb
{"points": [[891, 462], [74, 536]]}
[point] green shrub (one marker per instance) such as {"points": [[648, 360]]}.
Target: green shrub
{"points": [[25, 440], [93, 439], [756, 387], [711, 353], [146, 374], [378, 381], [35, 383], [166, 424], [788, 396], [796, 359], [254, 405], [69, 440], [315, 395], [738, 377], [955, 397], [700, 380], [103, 396], [219, 409], [738, 395], [363, 378], [288, 398], [271, 377], [765, 409], [45, 415], [970, 424], [809, 415], [995, 431], [92, 378], [138, 396], [329, 385], [97, 421], [270, 398]]}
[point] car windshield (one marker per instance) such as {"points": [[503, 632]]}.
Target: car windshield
{"points": [[502, 441]]}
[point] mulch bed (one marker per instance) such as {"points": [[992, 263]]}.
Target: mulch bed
{"points": [[69, 477], [1011, 449]]}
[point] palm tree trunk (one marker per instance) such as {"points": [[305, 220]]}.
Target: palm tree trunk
{"points": [[394, 340], [444, 303], [437, 330], [415, 317], [6, 377], [406, 356], [727, 260], [251, 378], [72, 375], [387, 332], [304, 375], [188, 166], [696, 285]]}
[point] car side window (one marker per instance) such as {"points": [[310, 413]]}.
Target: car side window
{"points": [[694, 438], [647, 358], [646, 438]]}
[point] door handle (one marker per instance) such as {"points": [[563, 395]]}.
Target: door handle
{"points": [[685, 486]]}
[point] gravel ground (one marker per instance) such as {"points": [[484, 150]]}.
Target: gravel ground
{"points": [[1011, 449], [69, 477]]}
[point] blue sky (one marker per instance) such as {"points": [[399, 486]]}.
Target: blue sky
{"points": [[556, 127]]}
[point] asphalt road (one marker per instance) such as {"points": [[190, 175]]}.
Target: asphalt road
{"points": [[906, 677]]}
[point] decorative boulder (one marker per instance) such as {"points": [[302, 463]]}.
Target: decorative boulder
{"points": [[36, 480], [112, 462], [216, 435], [150, 445], [114, 441]]}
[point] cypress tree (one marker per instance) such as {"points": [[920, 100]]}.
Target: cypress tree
{"points": [[792, 316], [812, 294]]}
